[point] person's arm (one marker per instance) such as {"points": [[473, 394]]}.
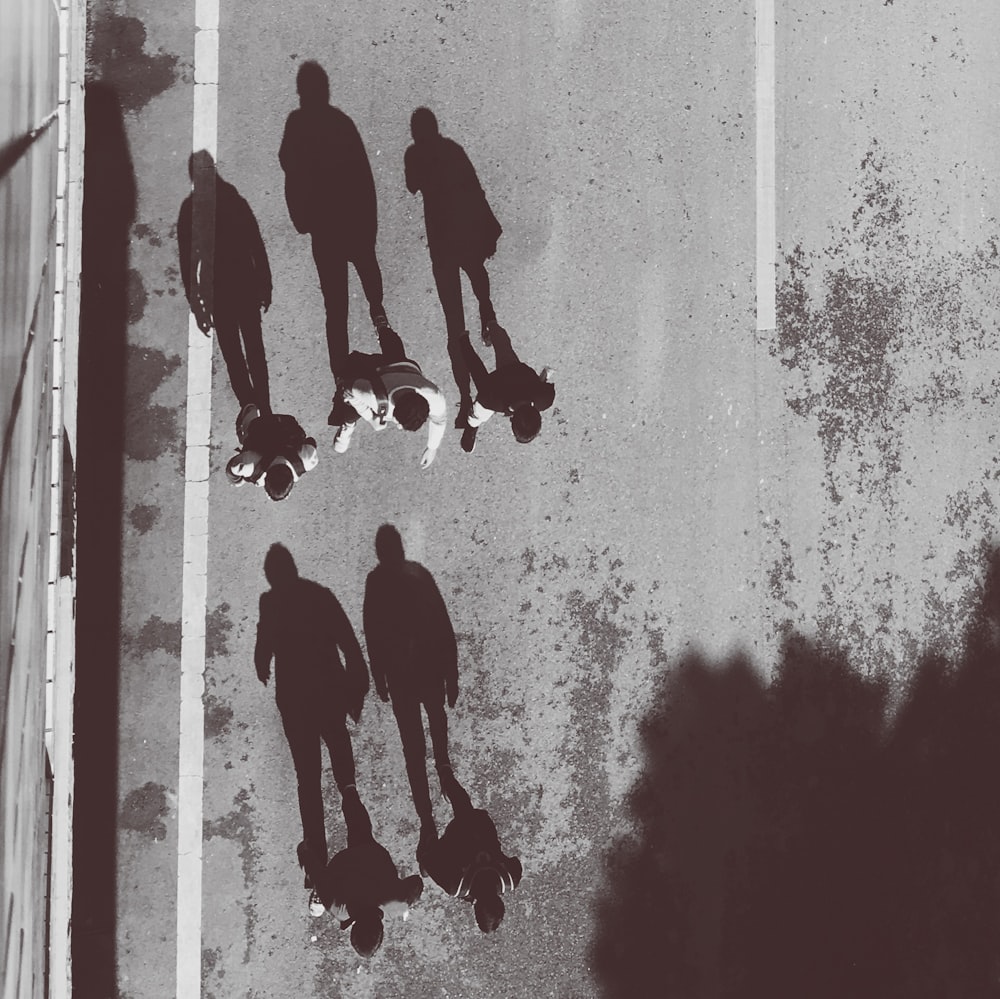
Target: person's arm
{"points": [[264, 649], [354, 660], [447, 645], [435, 422], [473, 362]]}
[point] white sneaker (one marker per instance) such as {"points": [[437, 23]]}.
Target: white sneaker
{"points": [[342, 440], [316, 906]]}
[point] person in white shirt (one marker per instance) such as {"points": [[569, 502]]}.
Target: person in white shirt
{"points": [[388, 389]]}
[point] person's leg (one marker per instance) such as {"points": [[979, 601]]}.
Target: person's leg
{"points": [[331, 266], [411, 734], [480, 281], [448, 280], [253, 343], [370, 274], [390, 345], [227, 328], [437, 724], [455, 793], [357, 819], [338, 744], [303, 742]]}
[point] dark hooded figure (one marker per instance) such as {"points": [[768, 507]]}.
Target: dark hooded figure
{"points": [[305, 630], [462, 232], [226, 275], [359, 885], [467, 861], [414, 659], [330, 194]]}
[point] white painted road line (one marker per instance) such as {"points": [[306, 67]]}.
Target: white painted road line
{"points": [[194, 579], [766, 228]]}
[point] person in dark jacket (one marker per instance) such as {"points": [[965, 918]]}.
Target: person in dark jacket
{"points": [[330, 193], [512, 388], [274, 452], [360, 885], [303, 628], [226, 275], [462, 233], [414, 659], [467, 861]]}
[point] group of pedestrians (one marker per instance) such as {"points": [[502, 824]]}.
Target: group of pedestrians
{"points": [[321, 678], [330, 194]]}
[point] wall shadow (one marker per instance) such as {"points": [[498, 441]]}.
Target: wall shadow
{"points": [[793, 842], [109, 203]]}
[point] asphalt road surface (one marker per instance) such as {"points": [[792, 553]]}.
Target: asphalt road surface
{"points": [[693, 614]]}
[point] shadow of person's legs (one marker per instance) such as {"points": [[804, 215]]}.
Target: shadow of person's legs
{"points": [[411, 734], [307, 759], [338, 744], [331, 266]]}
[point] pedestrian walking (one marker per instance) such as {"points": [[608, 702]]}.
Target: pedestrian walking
{"points": [[414, 659], [330, 193], [388, 390], [467, 861], [462, 233], [226, 276], [512, 388], [359, 885], [274, 452], [320, 678]]}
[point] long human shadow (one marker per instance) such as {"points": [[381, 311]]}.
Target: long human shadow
{"points": [[793, 841], [109, 204], [226, 276], [467, 861], [462, 231], [414, 660], [330, 194], [320, 678]]}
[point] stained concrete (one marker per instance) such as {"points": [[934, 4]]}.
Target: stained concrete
{"points": [[690, 614]]}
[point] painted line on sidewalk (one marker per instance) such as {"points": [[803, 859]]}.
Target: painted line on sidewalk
{"points": [[194, 579], [766, 227]]}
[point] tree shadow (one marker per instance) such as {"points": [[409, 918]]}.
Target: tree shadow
{"points": [[109, 204], [792, 841]]}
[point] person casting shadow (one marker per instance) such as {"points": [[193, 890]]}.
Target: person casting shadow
{"points": [[274, 452], [387, 389], [360, 885], [512, 388], [414, 659], [305, 630], [467, 861], [462, 233], [226, 275], [330, 193]]}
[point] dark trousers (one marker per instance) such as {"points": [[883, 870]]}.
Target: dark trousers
{"points": [[411, 734], [332, 257], [391, 350], [242, 344], [446, 268], [357, 820], [304, 743], [503, 352]]}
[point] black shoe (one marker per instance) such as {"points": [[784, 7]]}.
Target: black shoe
{"points": [[469, 440], [488, 329], [381, 322]]}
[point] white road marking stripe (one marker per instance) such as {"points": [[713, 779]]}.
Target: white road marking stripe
{"points": [[766, 228], [194, 579]]}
